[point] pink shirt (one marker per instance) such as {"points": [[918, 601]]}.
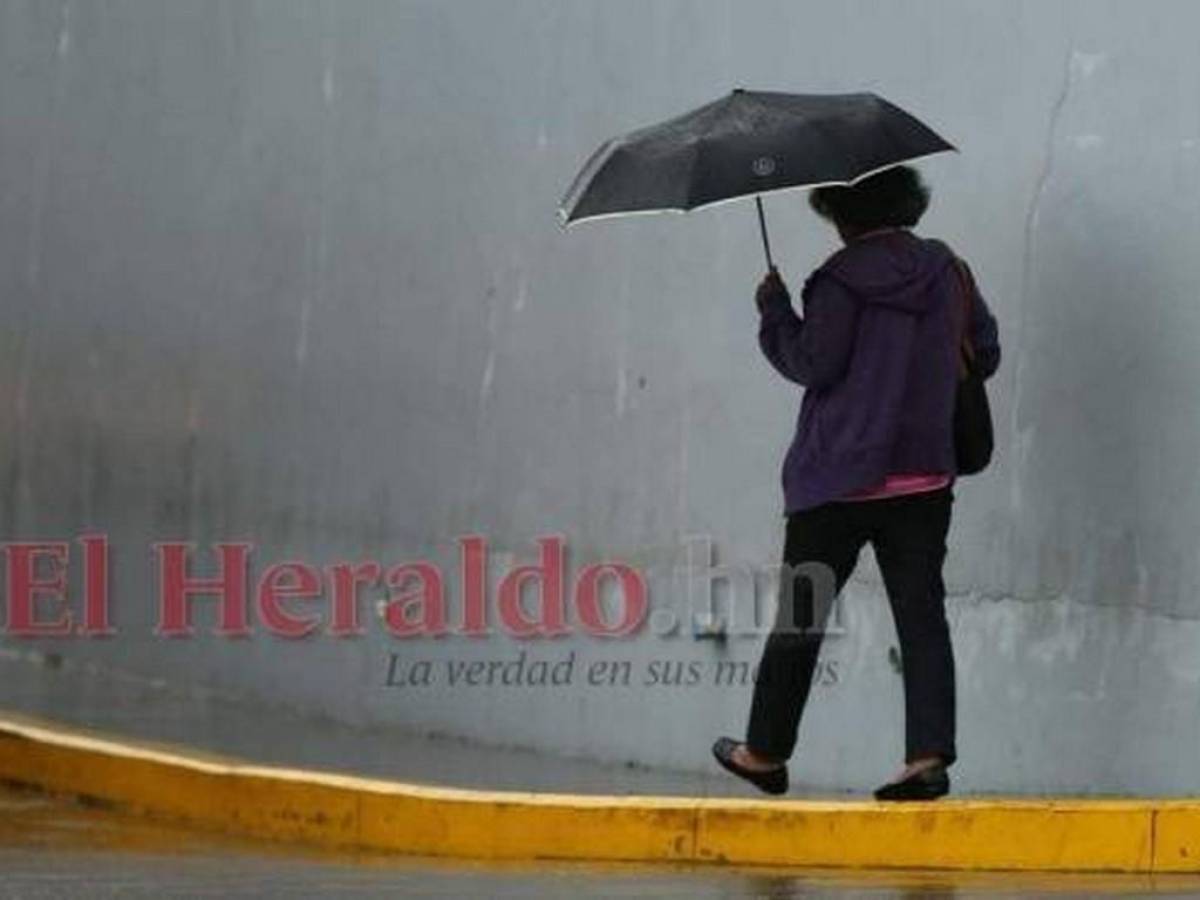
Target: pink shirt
{"points": [[901, 484]]}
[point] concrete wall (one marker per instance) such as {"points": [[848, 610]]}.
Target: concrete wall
{"points": [[289, 272]]}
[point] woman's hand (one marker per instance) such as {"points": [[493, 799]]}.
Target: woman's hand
{"points": [[770, 288]]}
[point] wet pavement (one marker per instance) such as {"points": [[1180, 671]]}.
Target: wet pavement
{"points": [[52, 847]]}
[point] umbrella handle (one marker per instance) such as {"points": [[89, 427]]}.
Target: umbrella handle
{"points": [[762, 227]]}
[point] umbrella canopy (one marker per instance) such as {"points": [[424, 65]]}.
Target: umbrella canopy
{"points": [[748, 142]]}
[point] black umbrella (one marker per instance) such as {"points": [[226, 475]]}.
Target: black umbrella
{"points": [[749, 142]]}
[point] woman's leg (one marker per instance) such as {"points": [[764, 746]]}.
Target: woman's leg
{"points": [[820, 551], [910, 545]]}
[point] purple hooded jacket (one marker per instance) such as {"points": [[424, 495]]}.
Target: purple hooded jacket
{"points": [[876, 352]]}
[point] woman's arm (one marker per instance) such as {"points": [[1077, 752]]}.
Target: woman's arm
{"points": [[813, 351]]}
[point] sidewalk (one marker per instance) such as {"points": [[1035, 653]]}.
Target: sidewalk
{"points": [[514, 806], [139, 708]]}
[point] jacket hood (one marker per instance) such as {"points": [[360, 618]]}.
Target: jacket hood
{"points": [[892, 268]]}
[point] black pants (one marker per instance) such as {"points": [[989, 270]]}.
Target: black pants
{"points": [[908, 535]]}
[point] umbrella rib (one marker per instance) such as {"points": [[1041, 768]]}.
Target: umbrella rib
{"points": [[697, 152], [593, 164]]}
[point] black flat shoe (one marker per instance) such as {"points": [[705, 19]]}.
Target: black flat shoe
{"points": [[928, 784], [771, 781]]}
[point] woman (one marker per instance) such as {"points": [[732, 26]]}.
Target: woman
{"points": [[872, 461]]}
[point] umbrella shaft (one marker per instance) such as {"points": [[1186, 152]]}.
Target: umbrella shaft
{"points": [[762, 226]]}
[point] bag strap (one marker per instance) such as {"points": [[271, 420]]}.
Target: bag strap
{"points": [[966, 288]]}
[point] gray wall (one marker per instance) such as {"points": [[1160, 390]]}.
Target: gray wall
{"points": [[290, 272]]}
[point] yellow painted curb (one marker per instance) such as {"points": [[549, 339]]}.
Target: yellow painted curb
{"points": [[346, 811]]}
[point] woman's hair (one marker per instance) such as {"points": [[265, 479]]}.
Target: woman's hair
{"points": [[893, 198]]}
